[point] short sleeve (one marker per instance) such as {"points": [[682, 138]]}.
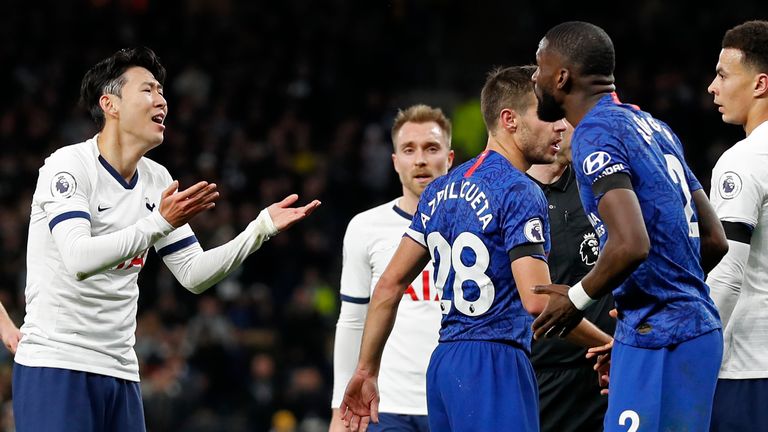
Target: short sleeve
{"points": [[525, 225], [63, 188], [736, 193], [356, 270], [418, 228], [600, 157]]}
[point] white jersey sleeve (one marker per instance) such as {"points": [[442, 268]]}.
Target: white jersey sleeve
{"points": [[67, 211], [737, 191], [198, 270], [356, 273]]}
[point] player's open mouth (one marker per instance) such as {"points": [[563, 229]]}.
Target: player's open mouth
{"points": [[422, 177], [158, 118]]}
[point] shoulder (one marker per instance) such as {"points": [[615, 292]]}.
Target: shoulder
{"points": [[366, 220], [154, 169], [80, 154]]}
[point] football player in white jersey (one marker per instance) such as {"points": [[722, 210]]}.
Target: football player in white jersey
{"points": [[97, 208], [421, 136], [739, 195]]}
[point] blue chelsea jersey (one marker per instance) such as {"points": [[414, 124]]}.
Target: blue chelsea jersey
{"points": [[665, 300], [470, 220]]}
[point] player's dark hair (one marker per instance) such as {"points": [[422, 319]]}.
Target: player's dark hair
{"points": [[751, 38], [106, 77], [585, 45], [508, 87]]}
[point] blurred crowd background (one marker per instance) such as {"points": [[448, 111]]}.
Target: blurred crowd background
{"points": [[272, 97]]}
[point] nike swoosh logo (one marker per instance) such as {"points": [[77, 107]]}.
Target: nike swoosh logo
{"points": [[101, 209]]}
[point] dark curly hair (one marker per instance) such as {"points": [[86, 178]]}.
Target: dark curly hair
{"points": [[585, 45], [751, 38], [106, 77]]}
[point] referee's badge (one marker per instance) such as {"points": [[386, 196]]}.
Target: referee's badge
{"points": [[534, 231], [63, 185], [729, 185]]}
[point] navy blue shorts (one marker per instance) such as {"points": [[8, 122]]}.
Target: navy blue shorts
{"points": [[400, 423], [63, 400], [481, 386], [669, 388], [740, 405]]}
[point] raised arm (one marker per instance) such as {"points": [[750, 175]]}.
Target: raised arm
{"points": [[85, 255], [197, 270]]}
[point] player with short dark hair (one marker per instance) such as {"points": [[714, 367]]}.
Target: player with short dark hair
{"points": [[739, 192], [484, 224], [97, 209], [656, 230]]}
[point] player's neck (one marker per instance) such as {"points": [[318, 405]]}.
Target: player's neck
{"points": [[547, 173], [757, 116], [505, 146], [120, 150], [408, 202], [578, 104]]}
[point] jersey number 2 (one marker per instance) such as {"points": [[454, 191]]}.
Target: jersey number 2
{"points": [[450, 258], [676, 171]]}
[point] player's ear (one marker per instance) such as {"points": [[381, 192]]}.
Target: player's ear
{"points": [[563, 76], [508, 120], [761, 85], [394, 162], [108, 104]]}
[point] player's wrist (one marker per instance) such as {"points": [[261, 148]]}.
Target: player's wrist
{"points": [[579, 297]]}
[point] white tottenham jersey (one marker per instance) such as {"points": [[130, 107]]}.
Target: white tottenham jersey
{"points": [[369, 244], [740, 194], [86, 322]]}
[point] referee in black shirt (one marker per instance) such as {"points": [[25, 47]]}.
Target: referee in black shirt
{"points": [[569, 394]]}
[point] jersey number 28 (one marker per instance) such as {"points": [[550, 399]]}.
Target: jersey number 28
{"points": [[450, 259]]}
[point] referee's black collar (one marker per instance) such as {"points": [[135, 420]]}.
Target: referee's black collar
{"points": [[560, 184]]}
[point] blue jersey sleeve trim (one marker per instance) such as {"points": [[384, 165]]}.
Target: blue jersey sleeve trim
{"points": [[68, 215], [355, 300], [177, 246]]}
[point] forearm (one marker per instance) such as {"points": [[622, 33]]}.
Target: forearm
{"points": [[85, 255], [378, 325], [588, 335], [198, 270], [346, 349], [725, 280], [615, 264]]}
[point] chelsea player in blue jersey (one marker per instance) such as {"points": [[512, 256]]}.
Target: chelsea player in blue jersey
{"points": [[656, 228], [485, 226]]}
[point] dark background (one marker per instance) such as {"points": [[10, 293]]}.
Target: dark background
{"points": [[272, 97]]}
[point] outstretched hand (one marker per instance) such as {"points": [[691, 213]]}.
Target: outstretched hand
{"points": [[178, 207], [361, 402], [284, 216], [559, 316]]}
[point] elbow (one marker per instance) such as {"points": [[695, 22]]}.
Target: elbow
{"points": [[636, 252], [718, 247], [193, 288], [535, 306]]}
